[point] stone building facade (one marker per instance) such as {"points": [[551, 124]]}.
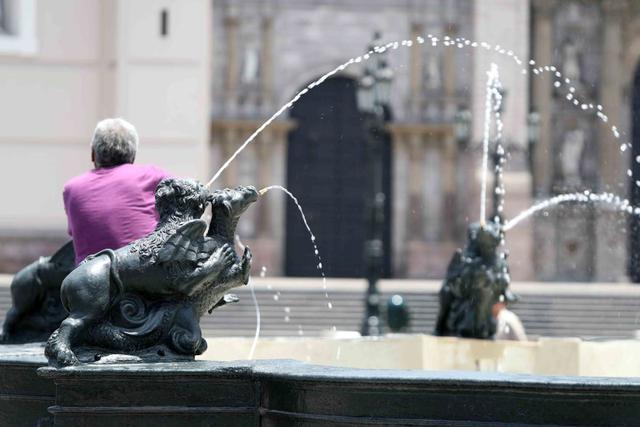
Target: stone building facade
{"points": [[225, 66], [266, 51], [597, 45]]}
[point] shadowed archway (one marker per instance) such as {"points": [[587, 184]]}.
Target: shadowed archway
{"points": [[326, 170]]}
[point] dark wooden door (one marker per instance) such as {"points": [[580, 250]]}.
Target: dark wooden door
{"points": [[326, 170]]}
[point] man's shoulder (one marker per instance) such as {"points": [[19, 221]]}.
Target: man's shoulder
{"points": [[77, 181], [149, 170]]}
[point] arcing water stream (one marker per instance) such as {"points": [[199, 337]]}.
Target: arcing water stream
{"points": [[459, 42], [312, 236], [493, 102], [608, 199]]}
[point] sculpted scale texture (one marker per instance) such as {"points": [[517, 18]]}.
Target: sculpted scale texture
{"points": [[149, 295]]}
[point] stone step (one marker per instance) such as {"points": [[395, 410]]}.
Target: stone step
{"points": [[609, 311]]}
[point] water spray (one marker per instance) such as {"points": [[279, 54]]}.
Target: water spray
{"points": [[447, 42]]}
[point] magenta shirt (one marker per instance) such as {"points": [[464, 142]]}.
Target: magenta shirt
{"points": [[108, 208]]}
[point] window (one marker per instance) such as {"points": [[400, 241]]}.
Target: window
{"points": [[18, 27]]}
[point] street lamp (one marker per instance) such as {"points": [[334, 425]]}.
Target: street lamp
{"points": [[373, 97], [462, 127], [366, 95], [384, 78]]}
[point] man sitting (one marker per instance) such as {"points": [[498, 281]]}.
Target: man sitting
{"points": [[114, 204]]}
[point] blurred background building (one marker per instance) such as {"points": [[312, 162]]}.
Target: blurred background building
{"points": [[197, 77]]}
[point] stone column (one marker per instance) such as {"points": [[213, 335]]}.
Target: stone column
{"points": [[449, 208], [229, 144], [449, 71], [544, 247], [416, 245], [541, 96], [231, 24], [264, 147], [415, 229], [278, 172], [610, 160], [415, 71], [610, 230], [266, 63], [400, 204]]}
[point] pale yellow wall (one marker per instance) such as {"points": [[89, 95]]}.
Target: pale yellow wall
{"points": [[163, 82], [96, 59], [49, 103]]}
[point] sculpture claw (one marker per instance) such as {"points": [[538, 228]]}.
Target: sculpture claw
{"points": [[246, 264]]}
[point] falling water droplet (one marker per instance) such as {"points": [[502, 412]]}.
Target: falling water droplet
{"points": [[329, 305]]}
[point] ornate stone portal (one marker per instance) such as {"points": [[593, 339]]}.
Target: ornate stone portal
{"points": [[144, 301], [36, 310], [477, 278]]}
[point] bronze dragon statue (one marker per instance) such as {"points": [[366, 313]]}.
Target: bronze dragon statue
{"points": [[148, 297]]}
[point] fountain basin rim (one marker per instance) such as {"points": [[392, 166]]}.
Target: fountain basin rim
{"points": [[301, 371]]}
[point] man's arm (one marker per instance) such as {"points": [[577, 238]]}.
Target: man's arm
{"points": [[65, 198]]}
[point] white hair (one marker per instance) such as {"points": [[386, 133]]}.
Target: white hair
{"points": [[115, 142]]}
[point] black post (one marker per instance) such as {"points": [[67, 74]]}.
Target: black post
{"points": [[374, 246]]}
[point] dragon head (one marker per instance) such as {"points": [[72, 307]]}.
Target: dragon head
{"points": [[227, 206], [184, 198]]}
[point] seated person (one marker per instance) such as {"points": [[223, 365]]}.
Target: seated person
{"points": [[508, 324], [114, 204]]}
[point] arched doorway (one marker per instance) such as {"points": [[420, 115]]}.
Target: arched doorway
{"points": [[326, 170], [634, 196]]}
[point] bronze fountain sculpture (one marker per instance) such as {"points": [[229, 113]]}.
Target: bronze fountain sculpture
{"points": [[478, 275], [477, 278], [36, 310], [146, 299]]}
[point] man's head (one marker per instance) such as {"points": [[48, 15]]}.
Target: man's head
{"points": [[115, 142]]}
